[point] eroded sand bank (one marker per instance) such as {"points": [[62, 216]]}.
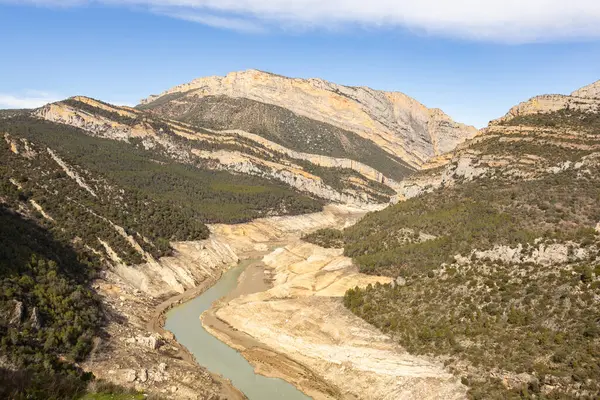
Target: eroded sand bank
{"points": [[299, 330]]}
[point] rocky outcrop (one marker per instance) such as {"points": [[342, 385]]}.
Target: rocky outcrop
{"points": [[151, 342], [397, 123], [590, 91], [540, 253], [585, 99], [549, 103], [34, 319], [191, 264], [17, 314], [71, 173], [273, 162]]}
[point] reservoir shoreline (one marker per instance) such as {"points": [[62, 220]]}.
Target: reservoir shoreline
{"points": [[217, 356]]}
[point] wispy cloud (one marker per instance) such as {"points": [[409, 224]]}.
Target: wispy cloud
{"points": [[216, 21], [28, 99], [485, 20]]}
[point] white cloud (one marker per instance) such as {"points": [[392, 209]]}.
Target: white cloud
{"points": [[489, 20], [29, 99], [216, 21]]}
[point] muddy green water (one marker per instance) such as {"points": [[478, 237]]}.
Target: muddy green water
{"points": [[216, 356]]}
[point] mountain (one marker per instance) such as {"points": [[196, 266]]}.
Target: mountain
{"points": [[108, 213], [237, 152], [386, 130], [495, 255]]}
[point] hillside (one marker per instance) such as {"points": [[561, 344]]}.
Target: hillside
{"points": [[236, 152], [83, 218], [104, 215], [494, 255], [388, 131]]}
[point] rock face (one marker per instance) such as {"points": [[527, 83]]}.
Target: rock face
{"points": [[35, 319], [397, 123], [258, 157], [585, 99], [17, 315], [590, 91]]}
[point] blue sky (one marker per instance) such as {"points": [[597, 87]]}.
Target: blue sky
{"points": [[471, 64]]}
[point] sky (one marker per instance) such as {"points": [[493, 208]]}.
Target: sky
{"points": [[474, 59]]}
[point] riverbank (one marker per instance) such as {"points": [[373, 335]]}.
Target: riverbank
{"points": [[266, 361], [135, 350], [157, 322], [299, 330]]}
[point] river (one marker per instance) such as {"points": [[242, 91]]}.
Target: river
{"points": [[184, 322]]}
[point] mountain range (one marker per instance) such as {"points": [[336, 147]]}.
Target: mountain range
{"points": [[491, 236]]}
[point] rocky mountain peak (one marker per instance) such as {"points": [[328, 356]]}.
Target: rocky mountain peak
{"points": [[397, 123]]}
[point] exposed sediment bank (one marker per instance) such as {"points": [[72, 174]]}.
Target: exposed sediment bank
{"points": [[291, 323]]}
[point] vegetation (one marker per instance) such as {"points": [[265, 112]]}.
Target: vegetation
{"points": [[49, 316], [152, 197], [516, 329], [511, 319], [280, 126], [28, 384], [328, 238], [49, 279], [59, 220], [565, 118], [479, 215]]}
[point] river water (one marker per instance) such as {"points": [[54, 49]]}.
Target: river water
{"points": [[216, 356]]}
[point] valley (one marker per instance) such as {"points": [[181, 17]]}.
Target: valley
{"points": [[352, 243]]}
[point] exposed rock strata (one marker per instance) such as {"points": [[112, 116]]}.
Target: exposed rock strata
{"points": [[397, 123], [133, 357], [271, 166]]}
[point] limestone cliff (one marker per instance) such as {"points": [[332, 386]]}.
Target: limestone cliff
{"points": [[397, 123], [590, 91], [585, 99]]}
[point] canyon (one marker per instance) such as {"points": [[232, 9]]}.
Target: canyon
{"points": [[341, 291]]}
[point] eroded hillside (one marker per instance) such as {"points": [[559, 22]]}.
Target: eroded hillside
{"points": [[494, 255], [335, 179], [370, 126]]}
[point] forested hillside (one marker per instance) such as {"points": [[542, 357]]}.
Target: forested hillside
{"points": [[70, 206], [281, 126], [49, 316], [237, 152], [496, 261]]}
